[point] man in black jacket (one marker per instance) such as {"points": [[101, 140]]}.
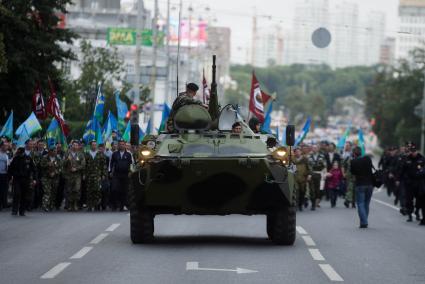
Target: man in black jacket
{"points": [[22, 170], [361, 168], [412, 164], [120, 163]]}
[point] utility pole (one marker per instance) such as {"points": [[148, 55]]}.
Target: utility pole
{"points": [[423, 120], [254, 37], [168, 86], [152, 82], [136, 86]]}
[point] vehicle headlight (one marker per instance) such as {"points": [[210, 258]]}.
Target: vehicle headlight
{"points": [[145, 154], [281, 154]]}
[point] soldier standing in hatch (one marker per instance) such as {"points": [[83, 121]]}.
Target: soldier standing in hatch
{"points": [[185, 98], [95, 172], [51, 167], [73, 166], [302, 176], [317, 163], [22, 170]]}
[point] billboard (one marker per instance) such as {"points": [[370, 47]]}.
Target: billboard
{"points": [[193, 33], [127, 36]]}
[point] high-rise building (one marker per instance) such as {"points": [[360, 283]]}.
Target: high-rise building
{"points": [[412, 27], [353, 42], [309, 16], [387, 54], [268, 44]]}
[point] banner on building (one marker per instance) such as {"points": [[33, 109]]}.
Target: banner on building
{"points": [[127, 36]]}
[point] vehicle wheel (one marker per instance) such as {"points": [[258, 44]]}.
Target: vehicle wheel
{"points": [[282, 226], [141, 221], [141, 226], [269, 225]]}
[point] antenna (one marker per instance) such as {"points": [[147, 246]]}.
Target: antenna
{"points": [[178, 46]]}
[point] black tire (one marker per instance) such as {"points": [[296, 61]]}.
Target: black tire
{"points": [[282, 226], [141, 220], [269, 225], [141, 226]]}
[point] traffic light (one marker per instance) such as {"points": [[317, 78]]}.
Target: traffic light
{"points": [[134, 114], [134, 120]]}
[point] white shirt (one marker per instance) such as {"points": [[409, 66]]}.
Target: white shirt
{"points": [[92, 153]]}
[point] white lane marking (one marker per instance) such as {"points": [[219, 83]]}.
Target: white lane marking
{"points": [[386, 204], [193, 265], [99, 238], [316, 255], [52, 273], [331, 273], [301, 230], [309, 241], [82, 252], [112, 227]]}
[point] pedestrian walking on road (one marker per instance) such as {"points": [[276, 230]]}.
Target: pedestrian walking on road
{"points": [[361, 168], [73, 166], [334, 179], [22, 170]]}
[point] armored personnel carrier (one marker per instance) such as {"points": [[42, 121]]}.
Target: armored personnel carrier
{"points": [[203, 168]]}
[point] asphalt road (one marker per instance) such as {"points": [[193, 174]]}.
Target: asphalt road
{"points": [[95, 248]]}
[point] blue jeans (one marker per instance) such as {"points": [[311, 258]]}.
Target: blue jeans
{"points": [[363, 197]]}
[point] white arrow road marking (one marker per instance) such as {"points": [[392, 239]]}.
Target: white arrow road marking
{"points": [[331, 273], [309, 241], [52, 273], [99, 238], [82, 252], [195, 266], [112, 227], [301, 230]]}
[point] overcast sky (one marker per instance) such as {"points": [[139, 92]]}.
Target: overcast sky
{"points": [[237, 14]]}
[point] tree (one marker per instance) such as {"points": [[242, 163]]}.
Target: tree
{"points": [[392, 98], [31, 39], [98, 65], [309, 90]]}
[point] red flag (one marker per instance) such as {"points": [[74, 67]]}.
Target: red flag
{"points": [[54, 109], [38, 103], [205, 90], [256, 105]]}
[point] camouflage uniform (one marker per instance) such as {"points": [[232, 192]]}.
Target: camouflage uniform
{"points": [[317, 164], [182, 100], [73, 178], [51, 169], [96, 171], [350, 179], [301, 174], [37, 194]]}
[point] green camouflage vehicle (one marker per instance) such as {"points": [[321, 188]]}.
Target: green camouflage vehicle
{"points": [[205, 169]]}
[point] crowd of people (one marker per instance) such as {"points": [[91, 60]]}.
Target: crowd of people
{"points": [[404, 178], [50, 178], [324, 173], [93, 178]]}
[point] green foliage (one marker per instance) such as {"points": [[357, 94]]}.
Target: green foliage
{"points": [[391, 100], [309, 90], [97, 64], [32, 48]]}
